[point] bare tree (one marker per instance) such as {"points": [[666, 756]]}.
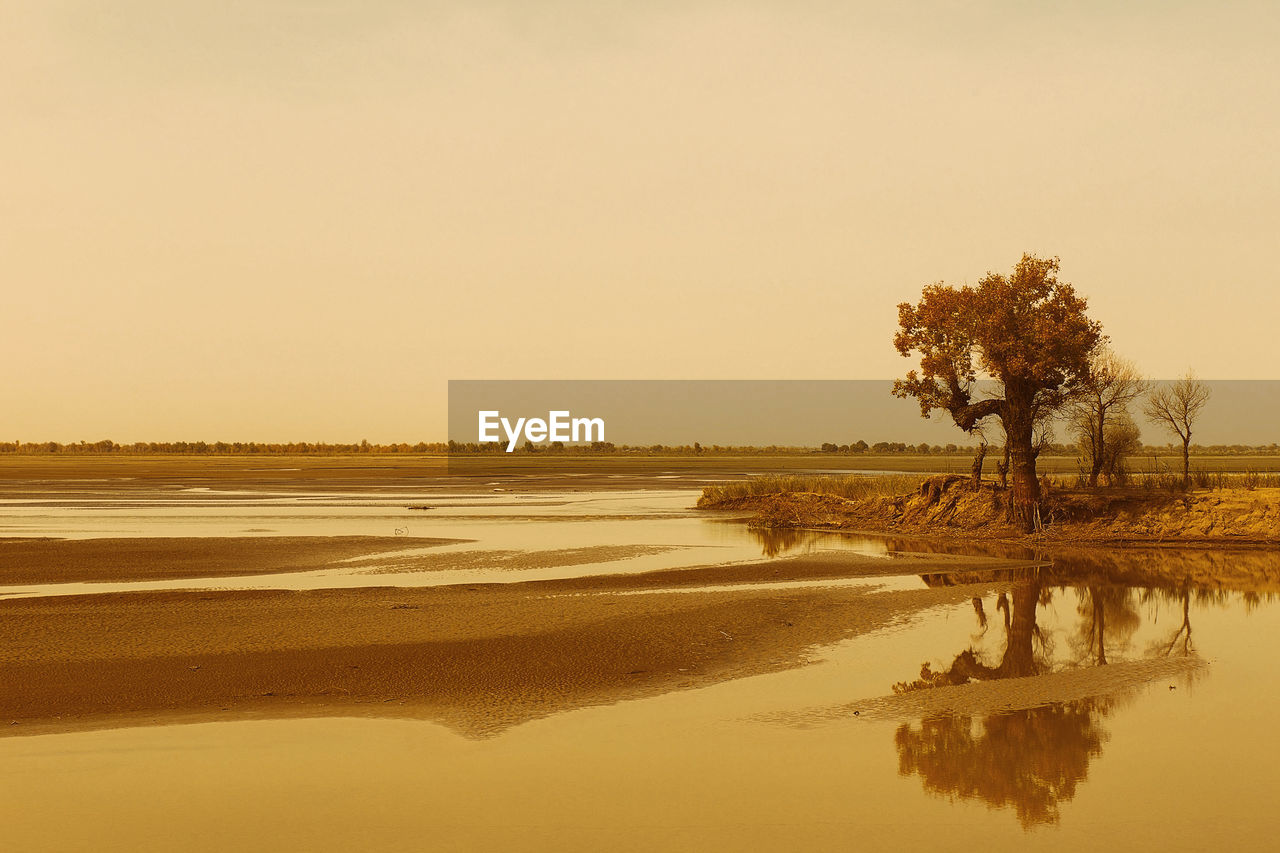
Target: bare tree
{"points": [[1101, 405], [1176, 407], [975, 468]]}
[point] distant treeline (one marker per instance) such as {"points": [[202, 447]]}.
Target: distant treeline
{"points": [[605, 448], [217, 448], [597, 448], [886, 447]]}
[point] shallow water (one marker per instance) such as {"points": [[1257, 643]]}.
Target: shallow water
{"points": [[1096, 712], [493, 522]]}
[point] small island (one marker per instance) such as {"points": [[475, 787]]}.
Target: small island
{"points": [[950, 506], [1017, 356]]}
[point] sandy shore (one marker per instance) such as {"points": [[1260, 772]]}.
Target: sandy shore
{"points": [[477, 658], [38, 561]]}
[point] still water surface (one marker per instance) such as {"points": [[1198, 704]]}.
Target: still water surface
{"points": [[1061, 708]]}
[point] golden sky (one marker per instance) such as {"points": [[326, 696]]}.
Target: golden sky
{"points": [[298, 220]]}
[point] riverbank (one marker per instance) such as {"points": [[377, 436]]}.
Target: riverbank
{"points": [[949, 507]]}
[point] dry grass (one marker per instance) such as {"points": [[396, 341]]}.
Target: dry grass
{"points": [[1171, 481], [1246, 480], [855, 487], [852, 487]]}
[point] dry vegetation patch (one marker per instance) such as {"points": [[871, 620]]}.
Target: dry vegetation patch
{"points": [[948, 505]]}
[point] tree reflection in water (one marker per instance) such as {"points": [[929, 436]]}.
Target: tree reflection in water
{"points": [[1026, 648], [778, 540], [1031, 759], [1107, 615], [1178, 642]]}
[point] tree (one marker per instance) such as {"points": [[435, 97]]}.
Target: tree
{"points": [[1101, 410], [1123, 439], [1026, 331], [1176, 407]]}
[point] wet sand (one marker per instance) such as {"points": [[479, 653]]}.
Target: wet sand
{"points": [[478, 659], [496, 559], [1013, 694], [40, 561]]}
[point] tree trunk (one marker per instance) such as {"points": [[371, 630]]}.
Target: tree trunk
{"points": [[1018, 417], [1186, 462], [1002, 469], [1099, 448], [975, 470], [1024, 499]]}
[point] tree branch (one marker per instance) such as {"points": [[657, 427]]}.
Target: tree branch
{"points": [[967, 416]]}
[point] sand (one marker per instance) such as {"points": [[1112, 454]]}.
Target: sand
{"points": [[1012, 694], [511, 560], [477, 658], [37, 561]]}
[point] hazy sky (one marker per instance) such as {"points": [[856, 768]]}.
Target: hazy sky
{"points": [[297, 220]]}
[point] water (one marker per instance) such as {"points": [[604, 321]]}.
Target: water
{"points": [[1123, 699], [492, 523]]}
